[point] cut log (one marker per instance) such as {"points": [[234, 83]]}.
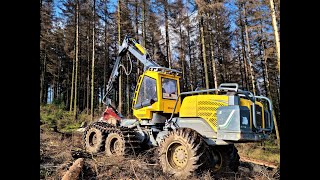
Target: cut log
{"points": [[259, 162], [74, 170]]}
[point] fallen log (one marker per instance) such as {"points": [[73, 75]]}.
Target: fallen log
{"points": [[74, 170], [259, 162]]}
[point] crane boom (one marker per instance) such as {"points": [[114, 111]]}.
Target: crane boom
{"points": [[128, 44]]}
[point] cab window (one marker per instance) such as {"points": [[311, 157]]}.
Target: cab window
{"points": [[148, 90], [169, 88]]}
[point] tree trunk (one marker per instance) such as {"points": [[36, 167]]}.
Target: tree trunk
{"points": [[144, 24], [84, 86], [240, 67], [59, 95], [88, 72], [120, 76], [264, 63], [182, 60], [190, 59], [106, 55], [194, 70], [276, 32], [166, 19], [244, 53], [204, 54], [137, 32], [276, 128], [278, 114], [267, 84], [76, 73], [67, 86], [249, 53], [43, 73], [93, 51], [72, 85], [213, 62], [263, 66], [240, 63], [79, 76]]}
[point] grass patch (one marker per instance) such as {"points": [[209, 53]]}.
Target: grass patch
{"points": [[55, 118], [267, 151]]}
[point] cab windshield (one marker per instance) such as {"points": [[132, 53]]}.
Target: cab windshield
{"points": [[148, 90]]}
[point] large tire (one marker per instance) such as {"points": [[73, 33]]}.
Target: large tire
{"points": [[114, 145], [94, 140], [183, 152], [226, 158], [121, 141]]}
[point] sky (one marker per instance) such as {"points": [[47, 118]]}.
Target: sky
{"points": [[58, 3]]}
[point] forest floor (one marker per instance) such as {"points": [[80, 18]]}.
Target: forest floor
{"points": [[56, 157]]}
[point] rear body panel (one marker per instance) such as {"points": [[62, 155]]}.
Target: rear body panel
{"points": [[230, 118]]}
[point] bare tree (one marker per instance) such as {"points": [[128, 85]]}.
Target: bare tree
{"points": [[119, 41], [77, 61], [249, 52], [276, 32], [93, 50]]}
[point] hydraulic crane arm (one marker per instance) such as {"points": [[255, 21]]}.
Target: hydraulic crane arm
{"points": [[128, 44]]}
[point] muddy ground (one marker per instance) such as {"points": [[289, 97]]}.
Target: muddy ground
{"points": [[58, 151]]}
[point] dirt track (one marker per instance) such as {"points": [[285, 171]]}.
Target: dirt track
{"points": [[56, 151]]}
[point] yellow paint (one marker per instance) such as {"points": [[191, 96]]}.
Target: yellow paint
{"points": [[248, 103], [140, 48], [204, 106], [176, 158], [161, 105]]}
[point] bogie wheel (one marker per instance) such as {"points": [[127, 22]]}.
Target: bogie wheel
{"points": [[94, 140], [226, 158], [183, 152], [114, 145]]}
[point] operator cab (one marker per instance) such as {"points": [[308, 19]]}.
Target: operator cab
{"points": [[156, 92]]}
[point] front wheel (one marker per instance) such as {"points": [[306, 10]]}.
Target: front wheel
{"points": [[183, 152], [114, 145]]}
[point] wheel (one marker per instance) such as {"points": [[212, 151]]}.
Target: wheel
{"points": [[94, 140], [183, 152], [114, 145], [226, 158], [121, 141]]}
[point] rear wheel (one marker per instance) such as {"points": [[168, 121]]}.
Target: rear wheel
{"points": [[94, 140], [183, 152], [226, 158]]}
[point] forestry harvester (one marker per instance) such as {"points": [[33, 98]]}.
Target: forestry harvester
{"points": [[192, 131]]}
